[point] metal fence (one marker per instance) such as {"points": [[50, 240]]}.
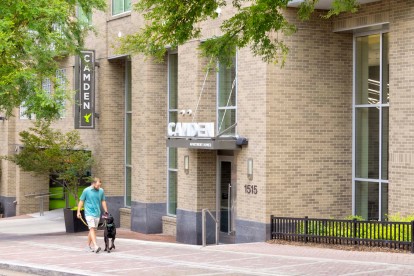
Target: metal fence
{"points": [[396, 235]]}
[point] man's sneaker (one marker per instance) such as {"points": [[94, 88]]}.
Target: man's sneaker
{"points": [[97, 249]]}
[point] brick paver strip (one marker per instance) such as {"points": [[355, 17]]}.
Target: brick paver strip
{"points": [[64, 254]]}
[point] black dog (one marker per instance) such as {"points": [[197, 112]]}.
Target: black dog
{"points": [[109, 232]]}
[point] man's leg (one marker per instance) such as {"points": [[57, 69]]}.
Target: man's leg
{"points": [[92, 234], [89, 238], [93, 224]]}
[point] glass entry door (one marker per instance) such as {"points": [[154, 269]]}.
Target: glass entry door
{"points": [[226, 201]]}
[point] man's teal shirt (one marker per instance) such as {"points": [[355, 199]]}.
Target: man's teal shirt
{"points": [[92, 199]]}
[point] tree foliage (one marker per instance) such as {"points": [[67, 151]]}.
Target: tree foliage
{"points": [[34, 35], [51, 152], [255, 24]]}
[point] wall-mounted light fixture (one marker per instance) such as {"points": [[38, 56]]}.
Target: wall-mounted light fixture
{"points": [[250, 168], [186, 163], [184, 112], [2, 118]]}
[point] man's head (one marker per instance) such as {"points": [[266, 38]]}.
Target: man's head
{"points": [[96, 183]]}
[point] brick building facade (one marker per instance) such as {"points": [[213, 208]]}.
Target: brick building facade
{"points": [[329, 134]]}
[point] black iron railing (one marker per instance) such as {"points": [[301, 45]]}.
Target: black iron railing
{"points": [[397, 235]]}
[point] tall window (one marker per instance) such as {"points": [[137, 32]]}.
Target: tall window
{"points": [[57, 29], [371, 126], [61, 83], [120, 6], [23, 112], [226, 99], [48, 87], [128, 133], [172, 117], [84, 17]]}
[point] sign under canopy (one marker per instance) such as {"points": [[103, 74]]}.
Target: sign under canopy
{"points": [[219, 143]]}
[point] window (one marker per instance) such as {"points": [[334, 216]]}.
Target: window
{"points": [[23, 112], [128, 133], [58, 33], [84, 17], [61, 83], [120, 6], [172, 117], [226, 99], [48, 87], [371, 126]]}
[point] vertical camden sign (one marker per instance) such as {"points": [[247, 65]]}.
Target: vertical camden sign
{"points": [[86, 95]]}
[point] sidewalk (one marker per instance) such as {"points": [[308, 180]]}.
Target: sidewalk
{"points": [[43, 248]]}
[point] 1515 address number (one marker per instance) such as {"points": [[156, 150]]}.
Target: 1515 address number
{"points": [[250, 189]]}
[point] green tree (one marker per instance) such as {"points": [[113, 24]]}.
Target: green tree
{"points": [[34, 36], [50, 152], [255, 24]]}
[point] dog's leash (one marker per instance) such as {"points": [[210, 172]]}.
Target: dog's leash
{"points": [[84, 222], [102, 226]]}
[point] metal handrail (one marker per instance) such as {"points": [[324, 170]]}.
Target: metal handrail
{"points": [[203, 215], [41, 197]]}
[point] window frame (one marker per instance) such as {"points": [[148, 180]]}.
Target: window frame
{"points": [[81, 15], [380, 106], [123, 8], [61, 78], [230, 107], [128, 140], [169, 111]]}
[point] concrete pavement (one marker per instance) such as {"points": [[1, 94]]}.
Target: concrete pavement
{"points": [[39, 245], [51, 222]]}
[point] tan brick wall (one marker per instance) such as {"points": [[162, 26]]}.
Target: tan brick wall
{"points": [[401, 163], [196, 85], [399, 14], [206, 180], [28, 186], [286, 132], [367, 15], [251, 119], [118, 26], [125, 218], [8, 181], [4, 165], [108, 142], [189, 89], [169, 226], [309, 125], [197, 189], [298, 120], [149, 116]]}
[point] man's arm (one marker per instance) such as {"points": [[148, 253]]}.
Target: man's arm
{"points": [[80, 205], [104, 206]]}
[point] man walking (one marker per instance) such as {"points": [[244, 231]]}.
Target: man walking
{"points": [[93, 196]]}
